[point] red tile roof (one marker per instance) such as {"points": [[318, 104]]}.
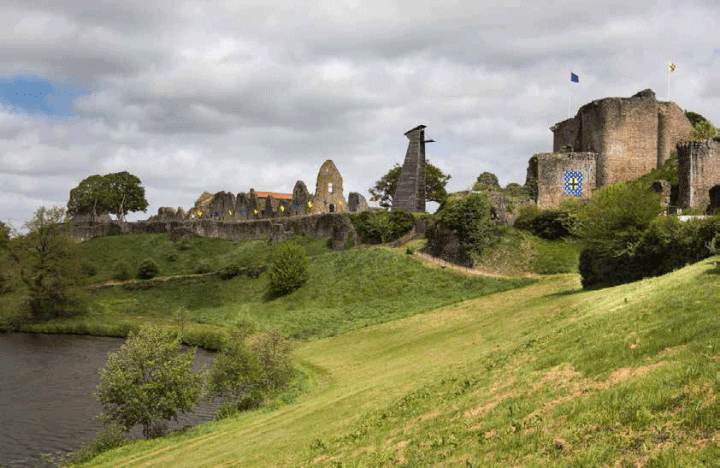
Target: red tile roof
{"points": [[282, 196]]}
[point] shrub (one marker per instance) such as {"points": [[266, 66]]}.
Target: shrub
{"points": [[88, 269], [121, 270], [244, 374], [288, 268], [548, 224], [204, 266], [379, 227], [228, 271], [148, 269], [612, 226]]}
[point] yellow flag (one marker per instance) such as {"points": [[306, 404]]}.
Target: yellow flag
{"points": [[199, 213], [309, 204], [672, 67], [282, 208], [230, 212], [255, 211]]}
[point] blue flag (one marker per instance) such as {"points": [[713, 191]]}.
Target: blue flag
{"points": [[574, 78]]}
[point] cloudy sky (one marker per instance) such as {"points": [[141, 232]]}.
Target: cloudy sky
{"points": [[210, 96]]}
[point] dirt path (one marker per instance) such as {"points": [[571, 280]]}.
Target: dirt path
{"points": [[464, 270]]}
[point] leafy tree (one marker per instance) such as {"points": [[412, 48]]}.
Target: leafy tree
{"points": [[469, 217], [148, 382], [4, 235], [612, 226], [288, 268], [246, 371], [486, 181], [118, 193], [435, 182], [531, 182], [49, 265]]}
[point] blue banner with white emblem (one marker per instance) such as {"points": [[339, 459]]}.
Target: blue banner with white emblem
{"points": [[573, 183]]}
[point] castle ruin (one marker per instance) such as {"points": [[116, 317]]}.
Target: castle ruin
{"points": [[609, 140]]}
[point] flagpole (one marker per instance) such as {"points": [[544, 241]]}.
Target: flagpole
{"points": [[569, 95]]}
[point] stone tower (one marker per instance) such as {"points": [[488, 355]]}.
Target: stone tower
{"points": [[410, 192]]}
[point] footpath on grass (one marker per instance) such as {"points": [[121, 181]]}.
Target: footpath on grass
{"points": [[465, 270]]}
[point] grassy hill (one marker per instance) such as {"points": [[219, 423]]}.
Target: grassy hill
{"points": [[545, 375], [347, 289]]}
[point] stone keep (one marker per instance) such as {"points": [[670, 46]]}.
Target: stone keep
{"points": [[328, 196], [410, 192], [627, 136]]}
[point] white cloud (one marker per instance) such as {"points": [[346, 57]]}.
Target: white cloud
{"points": [[227, 96]]}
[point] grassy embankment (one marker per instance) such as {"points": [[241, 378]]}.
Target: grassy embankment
{"points": [[546, 375], [346, 290]]}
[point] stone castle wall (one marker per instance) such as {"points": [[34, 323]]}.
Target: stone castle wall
{"points": [[630, 137], [552, 170], [334, 225], [698, 172]]}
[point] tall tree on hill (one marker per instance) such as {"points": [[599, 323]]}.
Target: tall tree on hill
{"points": [[435, 182], [48, 265], [118, 193]]}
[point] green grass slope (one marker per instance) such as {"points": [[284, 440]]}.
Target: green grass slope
{"points": [[546, 375], [346, 290]]}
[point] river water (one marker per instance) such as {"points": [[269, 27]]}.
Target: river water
{"points": [[46, 387]]}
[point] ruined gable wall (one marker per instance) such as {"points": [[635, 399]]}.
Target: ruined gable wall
{"points": [[698, 172], [673, 127], [323, 198], [551, 176]]}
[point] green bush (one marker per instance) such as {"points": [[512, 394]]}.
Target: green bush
{"points": [[88, 269], [288, 268], [469, 217], [229, 271], [148, 269], [380, 227], [547, 224], [204, 266], [121, 270]]}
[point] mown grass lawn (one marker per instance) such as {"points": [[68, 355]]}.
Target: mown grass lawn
{"points": [[546, 375]]}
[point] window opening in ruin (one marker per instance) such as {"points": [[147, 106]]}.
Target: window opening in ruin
{"points": [[714, 200], [330, 187], [332, 208]]}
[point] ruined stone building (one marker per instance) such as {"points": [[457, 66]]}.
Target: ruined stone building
{"points": [[609, 140], [328, 196], [225, 206], [410, 192]]}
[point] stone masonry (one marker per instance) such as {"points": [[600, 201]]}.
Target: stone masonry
{"points": [[410, 192], [328, 191], [627, 136], [699, 174], [574, 173]]}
